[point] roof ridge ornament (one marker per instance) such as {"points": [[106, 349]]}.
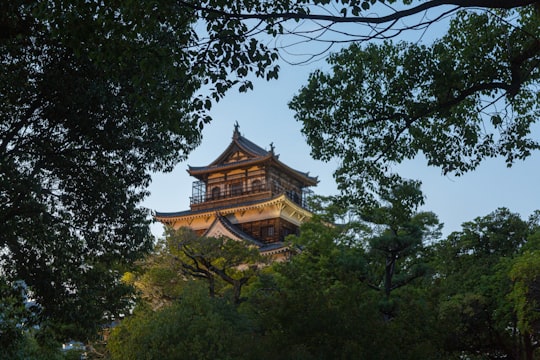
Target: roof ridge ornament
{"points": [[272, 148], [236, 133]]}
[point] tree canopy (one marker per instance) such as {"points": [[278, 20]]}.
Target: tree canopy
{"points": [[93, 97], [331, 23], [194, 327], [468, 96], [223, 264], [476, 296], [485, 276]]}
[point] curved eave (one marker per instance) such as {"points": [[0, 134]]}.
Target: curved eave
{"points": [[304, 178], [274, 249], [199, 172], [241, 143], [171, 218]]}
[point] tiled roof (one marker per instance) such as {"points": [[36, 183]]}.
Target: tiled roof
{"points": [[258, 154], [242, 235], [201, 211], [251, 147], [272, 246]]}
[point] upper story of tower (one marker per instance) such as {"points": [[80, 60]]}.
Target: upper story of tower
{"points": [[246, 172]]}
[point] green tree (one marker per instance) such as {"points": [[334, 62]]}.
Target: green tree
{"points": [[473, 283], [13, 313], [319, 305], [156, 278], [400, 236], [470, 95], [93, 97], [19, 336], [232, 262], [223, 264], [195, 326], [525, 296], [309, 307]]}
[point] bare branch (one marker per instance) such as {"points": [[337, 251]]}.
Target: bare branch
{"points": [[487, 4]]}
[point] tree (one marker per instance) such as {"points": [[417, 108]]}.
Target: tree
{"points": [[525, 295], [482, 279], [284, 10], [20, 338], [400, 235], [212, 259], [322, 305], [93, 97], [190, 289], [330, 23], [468, 96], [225, 265], [390, 235], [195, 326]]}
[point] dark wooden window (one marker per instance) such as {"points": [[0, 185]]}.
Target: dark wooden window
{"points": [[236, 189], [256, 186], [267, 231], [216, 192]]}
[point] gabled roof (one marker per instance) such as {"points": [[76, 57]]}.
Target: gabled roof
{"points": [[222, 227], [241, 143], [253, 154]]}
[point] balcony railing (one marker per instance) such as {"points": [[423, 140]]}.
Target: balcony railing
{"points": [[199, 195], [202, 197]]}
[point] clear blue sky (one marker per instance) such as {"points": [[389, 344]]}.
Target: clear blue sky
{"points": [[265, 118]]}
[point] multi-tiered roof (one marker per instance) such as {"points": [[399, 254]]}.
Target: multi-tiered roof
{"points": [[247, 194]]}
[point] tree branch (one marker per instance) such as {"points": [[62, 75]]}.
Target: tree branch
{"points": [[511, 89], [407, 280], [515, 66], [487, 4]]}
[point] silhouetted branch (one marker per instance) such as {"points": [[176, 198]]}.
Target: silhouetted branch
{"points": [[487, 4]]}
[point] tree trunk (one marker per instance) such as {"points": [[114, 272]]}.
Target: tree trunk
{"points": [[529, 348], [211, 286], [388, 274]]}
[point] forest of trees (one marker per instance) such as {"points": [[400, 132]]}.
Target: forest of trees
{"points": [[382, 285], [96, 96], [361, 283]]}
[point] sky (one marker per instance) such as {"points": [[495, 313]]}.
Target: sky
{"points": [[264, 118]]}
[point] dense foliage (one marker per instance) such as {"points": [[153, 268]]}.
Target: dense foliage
{"points": [[196, 326], [225, 265], [470, 95], [476, 297], [93, 97]]}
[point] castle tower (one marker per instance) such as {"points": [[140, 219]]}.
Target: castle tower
{"points": [[246, 194]]}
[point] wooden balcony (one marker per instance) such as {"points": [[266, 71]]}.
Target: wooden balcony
{"points": [[262, 191], [230, 197]]}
